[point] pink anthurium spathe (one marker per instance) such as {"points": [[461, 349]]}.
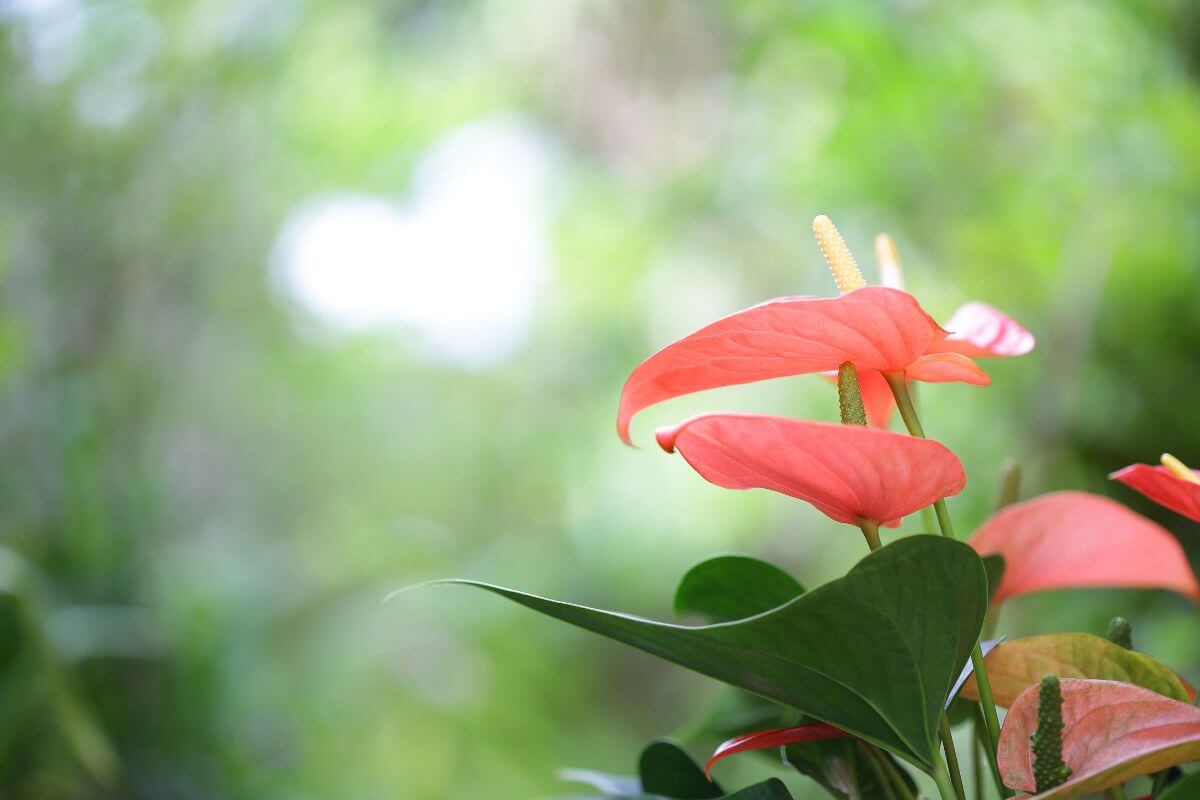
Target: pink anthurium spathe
{"points": [[851, 473], [1112, 732], [778, 737], [1172, 484], [874, 328], [1069, 540]]}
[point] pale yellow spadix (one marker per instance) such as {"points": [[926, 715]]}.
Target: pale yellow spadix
{"points": [[841, 263], [888, 259], [1178, 468]]}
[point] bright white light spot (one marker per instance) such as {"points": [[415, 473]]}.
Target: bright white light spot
{"points": [[459, 263]]}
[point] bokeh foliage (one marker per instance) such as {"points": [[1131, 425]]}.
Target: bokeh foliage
{"points": [[202, 501]]}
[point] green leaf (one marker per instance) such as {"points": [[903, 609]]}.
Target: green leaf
{"points": [[728, 587], [874, 653], [1186, 788], [667, 769], [994, 564], [1018, 664], [846, 769], [772, 789]]}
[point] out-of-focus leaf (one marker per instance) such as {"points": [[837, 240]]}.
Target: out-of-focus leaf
{"points": [[1016, 665], [994, 564], [847, 769], [666, 769], [874, 653], [1112, 732], [771, 739], [770, 789], [608, 783], [734, 710], [729, 587], [1069, 540], [1186, 788]]}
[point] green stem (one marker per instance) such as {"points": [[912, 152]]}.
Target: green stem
{"points": [[870, 752], [871, 532], [908, 413], [1115, 792], [951, 756], [942, 779], [976, 762], [893, 772]]}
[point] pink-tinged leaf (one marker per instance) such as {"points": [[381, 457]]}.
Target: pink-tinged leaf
{"points": [[978, 330], [779, 737], [1163, 487], [875, 327], [849, 472], [947, 368], [1112, 732], [1067, 540]]}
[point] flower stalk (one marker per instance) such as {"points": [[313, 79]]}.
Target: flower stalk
{"points": [[908, 413]]}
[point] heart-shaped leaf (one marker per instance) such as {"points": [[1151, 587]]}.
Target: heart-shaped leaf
{"points": [[1112, 732], [770, 789], [666, 769], [729, 587], [772, 739], [1069, 540], [1016, 665], [874, 653]]}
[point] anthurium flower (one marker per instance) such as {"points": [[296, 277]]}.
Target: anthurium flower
{"points": [[1172, 485], [851, 473], [1069, 540], [874, 328]]}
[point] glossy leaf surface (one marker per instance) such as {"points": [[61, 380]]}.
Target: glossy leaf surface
{"points": [[1075, 539], [874, 653], [1112, 732], [849, 472], [729, 587], [1163, 487], [874, 328], [1016, 665]]}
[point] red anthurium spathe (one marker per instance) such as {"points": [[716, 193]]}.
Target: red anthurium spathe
{"points": [[980, 331], [1068, 540], [1112, 732], [779, 737], [875, 328], [851, 473], [1172, 485]]}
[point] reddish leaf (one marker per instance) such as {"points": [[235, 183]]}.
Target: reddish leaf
{"points": [[875, 327], [978, 330], [762, 740], [1074, 539], [1163, 487], [1112, 732], [849, 472]]}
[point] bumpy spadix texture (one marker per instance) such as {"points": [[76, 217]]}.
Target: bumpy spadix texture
{"points": [[1175, 486], [874, 328], [846, 273], [1046, 742], [849, 472], [850, 402], [1069, 540], [1112, 732]]}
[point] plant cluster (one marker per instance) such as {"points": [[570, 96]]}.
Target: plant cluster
{"points": [[860, 680]]}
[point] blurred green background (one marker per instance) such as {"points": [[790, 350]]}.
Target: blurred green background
{"points": [[304, 302]]}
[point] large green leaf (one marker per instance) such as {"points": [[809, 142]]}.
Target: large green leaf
{"points": [[1186, 788], [874, 652], [771, 789], [728, 587]]}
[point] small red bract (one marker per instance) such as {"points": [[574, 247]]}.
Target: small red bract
{"points": [[778, 737], [849, 472], [1163, 487]]}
